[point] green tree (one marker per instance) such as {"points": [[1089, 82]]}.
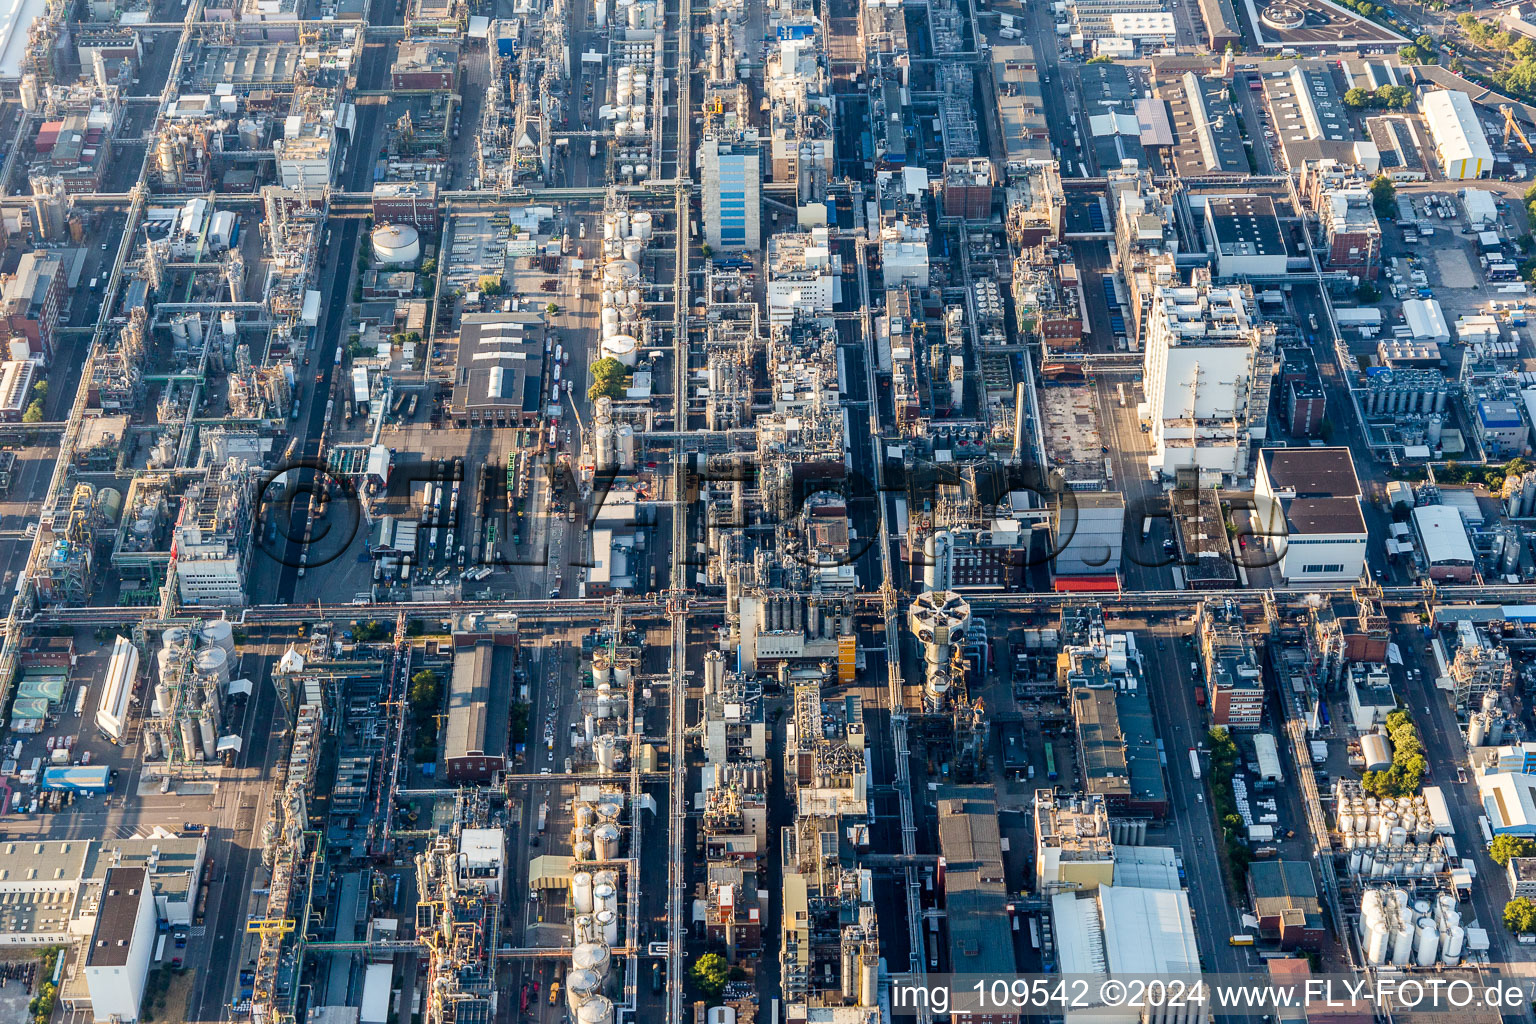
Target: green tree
{"points": [[1520, 916], [429, 266], [710, 972], [1357, 98], [425, 693], [609, 377], [1102, 58], [552, 308], [490, 284], [1412, 55], [1384, 196], [1507, 848], [1367, 293], [34, 413]]}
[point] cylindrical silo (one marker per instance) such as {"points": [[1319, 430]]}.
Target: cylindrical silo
{"points": [[1454, 937], [1429, 943], [605, 897], [606, 839], [607, 922], [219, 633], [591, 956], [580, 986], [213, 662], [210, 740], [597, 1010], [581, 892]]}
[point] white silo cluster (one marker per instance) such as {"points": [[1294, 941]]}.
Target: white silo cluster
{"points": [[1485, 728], [596, 835], [625, 238], [610, 679], [635, 94], [939, 619], [614, 445], [193, 669], [1396, 929], [595, 934], [1393, 837]]}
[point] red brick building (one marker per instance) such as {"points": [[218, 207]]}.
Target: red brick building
{"points": [[431, 64]]}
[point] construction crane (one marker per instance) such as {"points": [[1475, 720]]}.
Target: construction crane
{"points": [[1511, 125]]}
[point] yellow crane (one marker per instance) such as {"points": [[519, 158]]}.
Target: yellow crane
{"points": [[1511, 125]]}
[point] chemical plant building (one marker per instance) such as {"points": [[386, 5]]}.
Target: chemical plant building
{"points": [[975, 895], [1308, 512], [1245, 234], [1460, 146], [1207, 372], [1206, 139], [499, 376], [475, 741], [1285, 901]]}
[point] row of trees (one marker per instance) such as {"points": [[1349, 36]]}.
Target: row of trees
{"points": [[1224, 761], [1408, 764], [1514, 54], [1385, 97]]}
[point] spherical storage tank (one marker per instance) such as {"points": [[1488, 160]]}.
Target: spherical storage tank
{"points": [[396, 244]]}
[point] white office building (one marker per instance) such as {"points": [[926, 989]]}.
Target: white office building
{"points": [[732, 171], [1207, 377]]}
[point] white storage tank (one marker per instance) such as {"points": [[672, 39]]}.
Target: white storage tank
{"points": [[396, 245], [581, 892], [607, 922], [606, 838], [642, 225], [580, 986], [597, 1010], [622, 347], [213, 663], [219, 633], [605, 896], [591, 956]]}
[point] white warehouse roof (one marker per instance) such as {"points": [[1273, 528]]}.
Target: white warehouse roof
{"points": [[1125, 930], [1452, 120], [1509, 803], [1443, 535], [1426, 320]]}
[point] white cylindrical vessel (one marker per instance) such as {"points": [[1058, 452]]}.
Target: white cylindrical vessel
{"points": [[605, 897], [607, 922], [606, 838], [597, 1010], [580, 986], [591, 956], [581, 892]]}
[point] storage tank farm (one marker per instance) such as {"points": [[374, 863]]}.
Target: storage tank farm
{"points": [[191, 686], [624, 324]]}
